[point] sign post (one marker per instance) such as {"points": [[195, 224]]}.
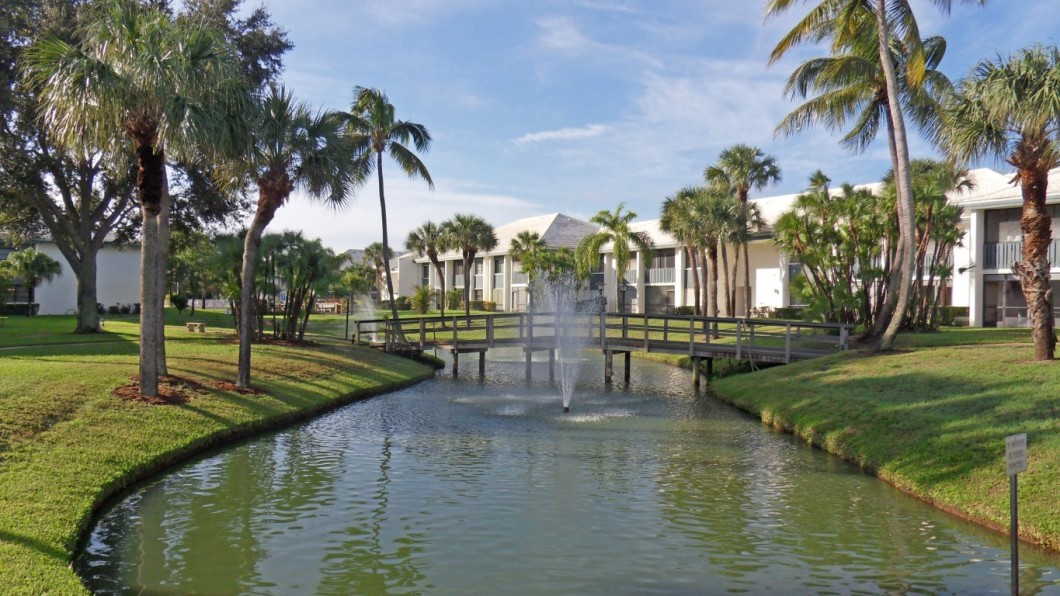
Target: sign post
{"points": [[1015, 462]]}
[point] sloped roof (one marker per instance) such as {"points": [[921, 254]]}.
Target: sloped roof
{"points": [[556, 230], [994, 189]]}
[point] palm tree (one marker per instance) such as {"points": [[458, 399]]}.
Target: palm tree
{"points": [[718, 214], [469, 234], [376, 255], [739, 169], [1010, 109], [679, 219], [427, 241], [614, 228], [376, 131], [33, 267], [292, 148], [847, 20], [529, 248], [171, 88]]}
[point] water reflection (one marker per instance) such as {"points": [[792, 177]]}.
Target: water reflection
{"points": [[469, 487]]}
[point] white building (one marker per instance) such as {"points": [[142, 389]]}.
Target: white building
{"points": [[982, 281], [117, 279]]}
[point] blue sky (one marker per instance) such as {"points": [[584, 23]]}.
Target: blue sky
{"points": [[577, 105]]}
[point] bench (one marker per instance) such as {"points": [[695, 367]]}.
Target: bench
{"points": [[200, 327]]}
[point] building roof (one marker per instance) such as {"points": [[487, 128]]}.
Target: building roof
{"points": [[556, 230], [994, 189]]}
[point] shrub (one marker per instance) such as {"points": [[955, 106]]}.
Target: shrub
{"points": [[403, 303], [113, 309], [484, 305], [952, 316], [685, 311], [422, 298], [179, 302], [124, 309], [19, 309], [787, 313], [453, 298]]}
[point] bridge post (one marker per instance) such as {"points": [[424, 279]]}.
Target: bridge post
{"points": [[695, 371], [529, 355], [691, 336], [423, 333], [625, 325], [454, 332], [551, 365], [739, 336], [710, 368], [489, 332], [609, 366], [603, 331], [456, 362], [666, 329], [357, 332], [844, 332], [645, 332], [482, 364], [787, 344], [626, 372]]}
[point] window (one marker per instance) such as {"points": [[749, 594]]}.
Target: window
{"points": [[425, 274], [498, 264], [663, 259]]}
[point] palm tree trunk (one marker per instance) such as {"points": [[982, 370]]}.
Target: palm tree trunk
{"points": [[747, 281], [903, 178], [1033, 269], [264, 214], [735, 270], [441, 280], [703, 277], [148, 290], [467, 288], [386, 253], [163, 266], [694, 266], [712, 252], [724, 275]]}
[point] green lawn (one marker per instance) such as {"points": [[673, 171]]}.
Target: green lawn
{"points": [[930, 418], [66, 443]]}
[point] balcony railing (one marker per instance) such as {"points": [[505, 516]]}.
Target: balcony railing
{"points": [[631, 277], [458, 282], [479, 281], [661, 276], [519, 278], [1001, 255], [498, 280]]}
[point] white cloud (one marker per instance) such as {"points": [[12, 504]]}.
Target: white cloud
{"points": [[563, 134], [408, 205]]}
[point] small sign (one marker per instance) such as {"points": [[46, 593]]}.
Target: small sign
{"points": [[1016, 453]]}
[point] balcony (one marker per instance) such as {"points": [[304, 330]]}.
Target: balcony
{"points": [[479, 281], [519, 278], [498, 280], [664, 275], [631, 277], [1001, 255]]}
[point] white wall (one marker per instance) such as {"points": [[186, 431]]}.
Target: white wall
{"points": [[117, 280]]}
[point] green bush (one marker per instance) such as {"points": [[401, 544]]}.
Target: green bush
{"points": [[484, 305], [685, 311], [948, 316], [178, 302], [403, 303], [453, 298], [421, 299], [19, 309], [787, 313]]}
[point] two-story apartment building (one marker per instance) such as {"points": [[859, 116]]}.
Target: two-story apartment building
{"points": [[982, 280]]}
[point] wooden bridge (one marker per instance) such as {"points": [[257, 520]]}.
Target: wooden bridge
{"points": [[755, 340]]}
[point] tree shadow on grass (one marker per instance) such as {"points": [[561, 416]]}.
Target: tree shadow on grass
{"points": [[59, 555]]}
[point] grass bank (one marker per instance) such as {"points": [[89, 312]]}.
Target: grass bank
{"points": [[66, 443], [930, 419]]}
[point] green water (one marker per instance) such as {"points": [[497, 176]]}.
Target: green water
{"points": [[462, 487]]}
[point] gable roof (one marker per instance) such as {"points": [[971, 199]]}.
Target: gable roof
{"points": [[556, 230]]}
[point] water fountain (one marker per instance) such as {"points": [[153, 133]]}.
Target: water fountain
{"points": [[365, 311], [570, 339]]}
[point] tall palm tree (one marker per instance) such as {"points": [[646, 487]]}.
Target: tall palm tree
{"points": [[847, 20], [614, 228], [1010, 109], [377, 256], [469, 234], [171, 88], [427, 241], [680, 219], [529, 249], [33, 267], [739, 169], [718, 214], [292, 148], [376, 131]]}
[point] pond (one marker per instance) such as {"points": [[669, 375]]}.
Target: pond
{"points": [[457, 486]]}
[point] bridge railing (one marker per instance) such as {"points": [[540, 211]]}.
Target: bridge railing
{"points": [[742, 336]]}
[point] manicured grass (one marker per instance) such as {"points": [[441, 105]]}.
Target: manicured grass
{"points": [[66, 443], [930, 418]]}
